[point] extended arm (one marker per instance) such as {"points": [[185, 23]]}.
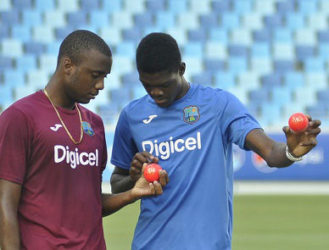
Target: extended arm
{"points": [[123, 180], [271, 151], [9, 230], [274, 153], [113, 202]]}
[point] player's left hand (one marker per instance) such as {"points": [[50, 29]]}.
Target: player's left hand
{"points": [[144, 188], [301, 143], [136, 164]]}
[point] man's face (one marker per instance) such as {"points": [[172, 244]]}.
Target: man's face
{"points": [[86, 79], [164, 87]]}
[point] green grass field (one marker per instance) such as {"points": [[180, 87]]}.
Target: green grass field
{"points": [[260, 222]]}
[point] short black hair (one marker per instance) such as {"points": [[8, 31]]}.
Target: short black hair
{"points": [[158, 52], [79, 41]]}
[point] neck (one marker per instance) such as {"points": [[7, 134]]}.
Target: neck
{"points": [[62, 122], [57, 94], [185, 88]]}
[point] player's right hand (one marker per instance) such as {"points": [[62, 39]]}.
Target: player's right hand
{"points": [[137, 162], [301, 143], [144, 188]]}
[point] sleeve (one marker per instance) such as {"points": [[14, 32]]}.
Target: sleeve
{"points": [[104, 156], [14, 145], [238, 121], [124, 147]]}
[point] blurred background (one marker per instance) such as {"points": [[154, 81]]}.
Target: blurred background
{"points": [[272, 54]]}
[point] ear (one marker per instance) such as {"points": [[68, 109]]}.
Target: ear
{"points": [[67, 65], [182, 68]]}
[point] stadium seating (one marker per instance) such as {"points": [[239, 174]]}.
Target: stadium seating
{"points": [[25, 63], [31, 17], [111, 6], [6, 96], [130, 79], [12, 47], [68, 6], [20, 33], [224, 80], [6, 63], [125, 49], [273, 52], [219, 6], [164, 19], [10, 17], [12, 78], [44, 5], [213, 65], [177, 6], [89, 4], [204, 78]]}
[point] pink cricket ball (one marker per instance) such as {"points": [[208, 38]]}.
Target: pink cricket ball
{"points": [[151, 172], [298, 122]]}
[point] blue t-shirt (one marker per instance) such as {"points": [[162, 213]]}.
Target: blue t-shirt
{"points": [[193, 140]]}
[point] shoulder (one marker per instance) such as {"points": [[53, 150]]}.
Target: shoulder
{"points": [[138, 105], [15, 119], [90, 115], [88, 112], [23, 108], [30, 102], [211, 95], [12, 113], [140, 102]]}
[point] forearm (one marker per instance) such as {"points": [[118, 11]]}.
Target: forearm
{"points": [[9, 228], [121, 183], [9, 233], [113, 202], [277, 157], [274, 153]]}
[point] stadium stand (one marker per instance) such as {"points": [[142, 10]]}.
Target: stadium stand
{"points": [[273, 53]]}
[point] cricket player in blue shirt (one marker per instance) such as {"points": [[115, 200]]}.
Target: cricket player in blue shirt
{"points": [[189, 130]]}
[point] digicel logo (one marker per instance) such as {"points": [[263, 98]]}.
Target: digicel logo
{"points": [[75, 158], [166, 148]]}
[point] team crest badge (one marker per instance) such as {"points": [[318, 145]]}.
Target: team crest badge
{"points": [[191, 114], [87, 128]]}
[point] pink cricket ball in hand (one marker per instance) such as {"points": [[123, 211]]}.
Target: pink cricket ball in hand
{"points": [[151, 172], [298, 122]]}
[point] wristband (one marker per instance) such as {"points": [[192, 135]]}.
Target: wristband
{"points": [[291, 157]]}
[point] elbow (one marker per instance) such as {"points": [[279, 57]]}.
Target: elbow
{"points": [[114, 185], [278, 164], [270, 162], [271, 165], [105, 213], [114, 189], [120, 183]]}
